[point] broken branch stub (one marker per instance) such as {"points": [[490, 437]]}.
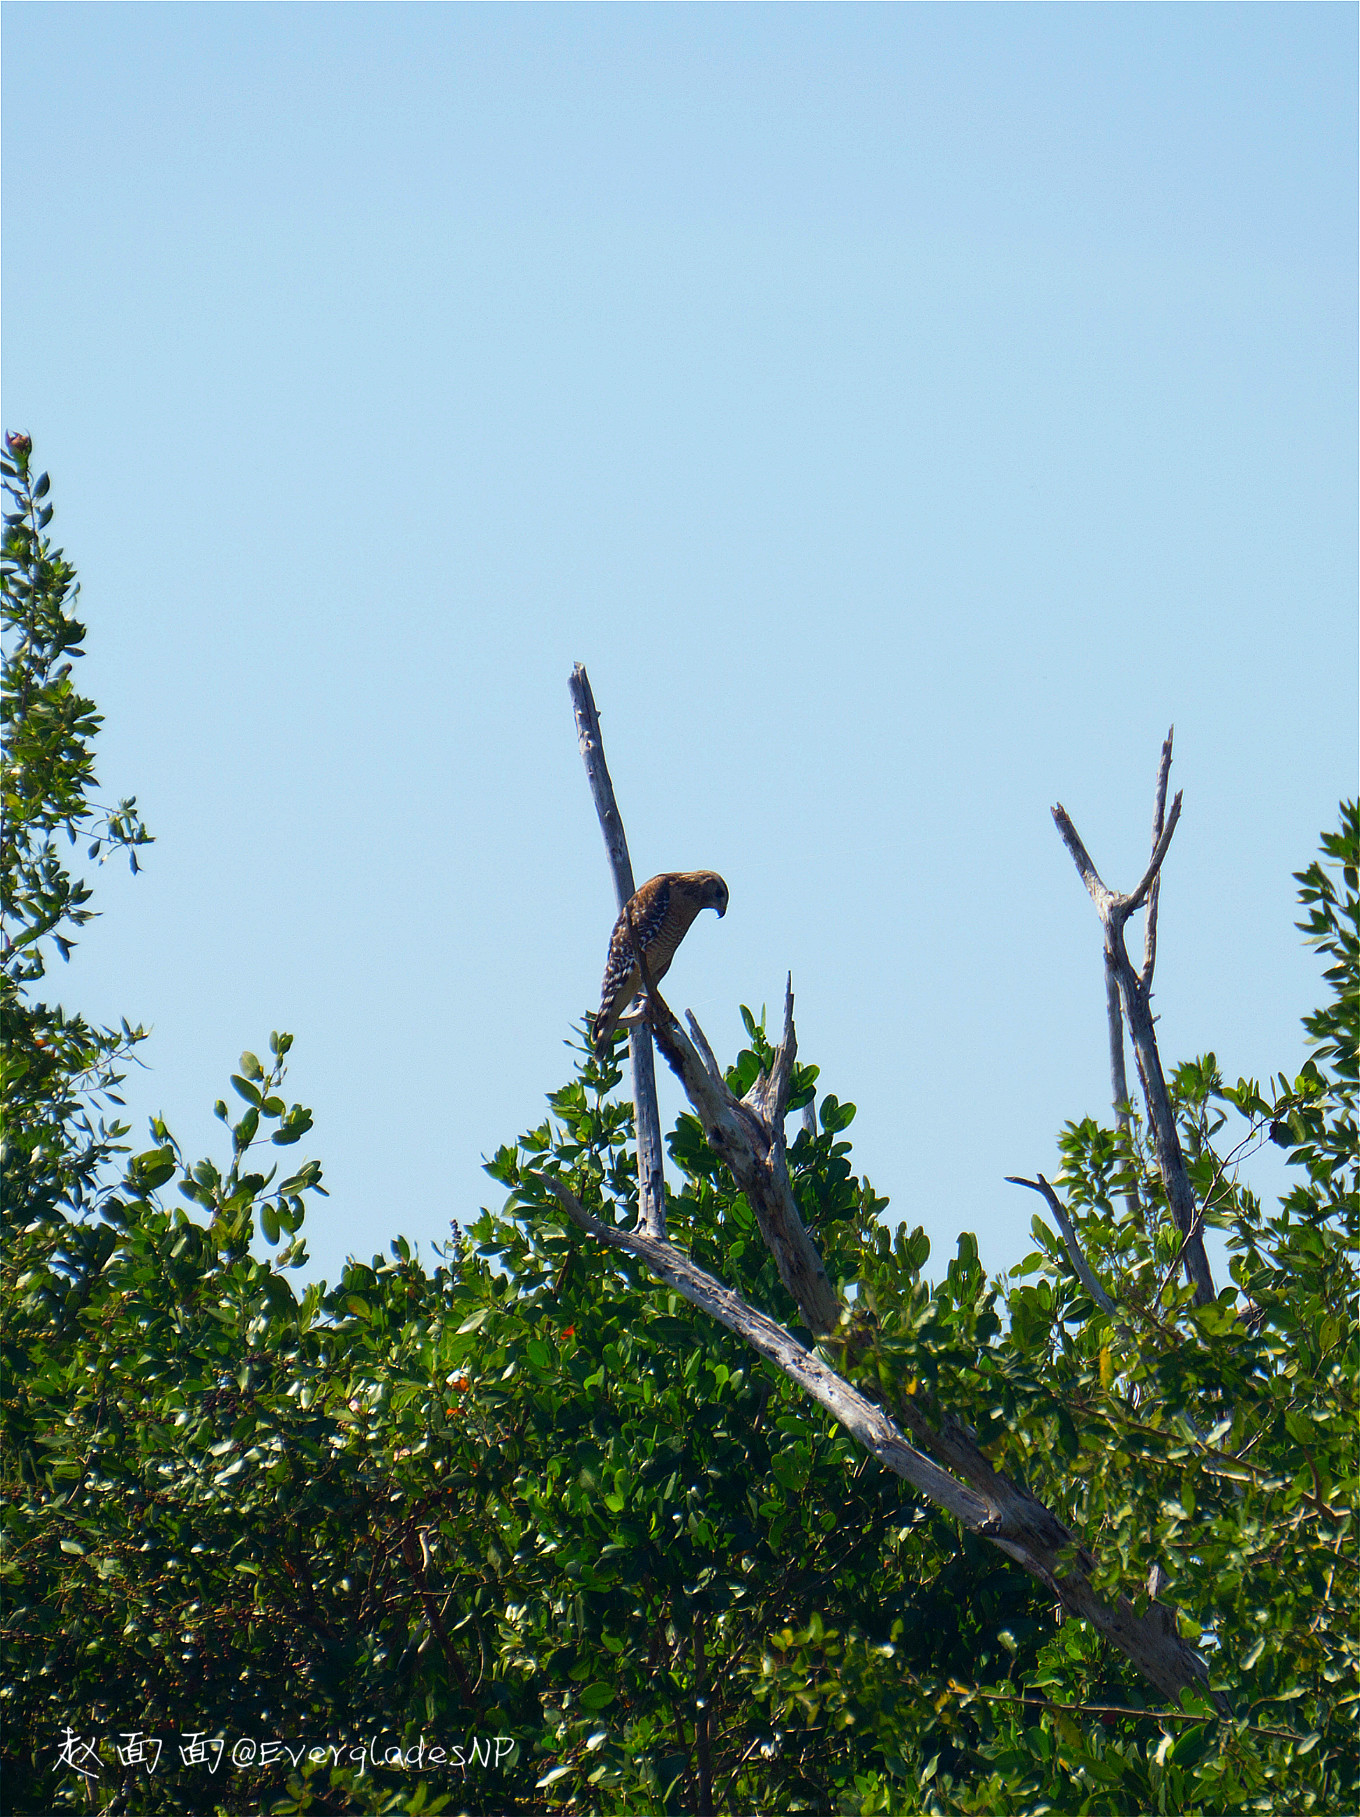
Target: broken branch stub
{"points": [[747, 1135]]}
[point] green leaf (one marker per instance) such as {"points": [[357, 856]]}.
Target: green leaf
{"points": [[1193, 1745]]}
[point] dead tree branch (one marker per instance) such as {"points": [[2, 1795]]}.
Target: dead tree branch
{"points": [[1119, 1078], [747, 1135], [1114, 911], [1080, 1266], [1158, 823], [933, 1452], [651, 1178], [985, 1501]]}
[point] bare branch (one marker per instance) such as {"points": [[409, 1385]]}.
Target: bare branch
{"points": [[1106, 899], [1001, 1511], [702, 1712], [651, 1174], [769, 1096], [868, 1423], [601, 788], [1090, 876], [1114, 911], [701, 1042], [1128, 904], [945, 1462], [1080, 1266], [1158, 821], [752, 1148], [1119, 1078]]}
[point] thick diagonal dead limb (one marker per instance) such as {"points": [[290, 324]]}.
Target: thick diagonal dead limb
{"points": [[651, 1178], [982, 1499], [1114, 911]]}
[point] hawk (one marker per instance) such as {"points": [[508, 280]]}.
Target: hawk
{"points": [[661, 911]]}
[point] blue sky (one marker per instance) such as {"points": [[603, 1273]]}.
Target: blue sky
{"points": [[905, 412]]}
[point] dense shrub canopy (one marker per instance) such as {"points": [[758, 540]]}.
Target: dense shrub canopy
{"points": [[519, 1491]]}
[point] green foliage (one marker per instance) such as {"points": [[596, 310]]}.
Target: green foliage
{"points": [[57, 1073], [739, 1571], [522, 1491]]}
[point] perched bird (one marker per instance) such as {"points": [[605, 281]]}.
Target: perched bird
{"points": [[661, 912]]}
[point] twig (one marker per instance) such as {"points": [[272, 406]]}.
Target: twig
{"points": [[1252, 1135], [1331, 1578], [1158, 821], [651, 1176], [1036, 1701]]}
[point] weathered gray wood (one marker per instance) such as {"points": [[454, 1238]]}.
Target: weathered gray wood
{"points": [[944, 1462], [601, 788], [1080, 1266], [1119, 1078], [868, 1423], [986, 1502], [1114, 911], [1158, 824], [651, 1176], [747, 1134]]}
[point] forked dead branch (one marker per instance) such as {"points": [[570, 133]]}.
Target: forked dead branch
{"points": [[1135, 996], [936, 1454]]}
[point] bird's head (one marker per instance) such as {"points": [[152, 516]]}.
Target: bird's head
{"points": [[712, 892]]}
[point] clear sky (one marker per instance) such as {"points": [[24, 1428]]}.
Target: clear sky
{"points": [[906, 413]]}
